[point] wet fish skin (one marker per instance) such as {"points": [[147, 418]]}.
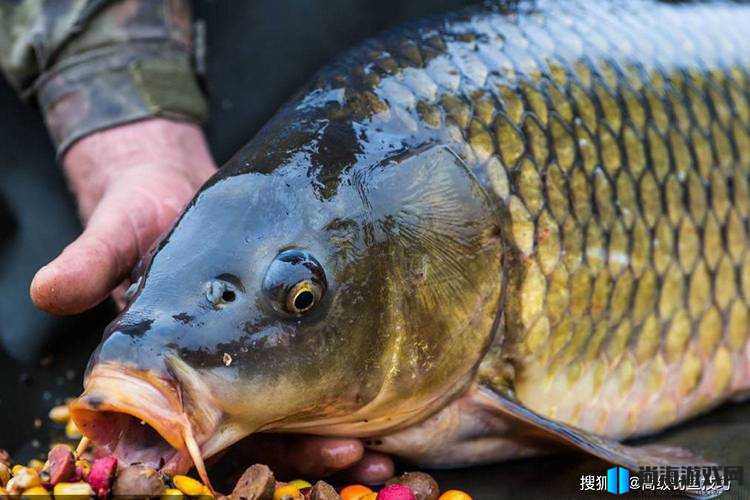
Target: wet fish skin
{"points": [[603, 154], [616, 141]]}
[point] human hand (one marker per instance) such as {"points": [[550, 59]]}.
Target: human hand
{"points": [[298, 456], [130, 183]]}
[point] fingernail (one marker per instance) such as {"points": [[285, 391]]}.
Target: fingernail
{"points": [[374, 468], [342, 454]]}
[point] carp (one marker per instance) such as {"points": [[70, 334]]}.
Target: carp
{"points": [[480, 236]]}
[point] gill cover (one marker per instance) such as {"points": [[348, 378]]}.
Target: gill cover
{"points": [[428, 249]]}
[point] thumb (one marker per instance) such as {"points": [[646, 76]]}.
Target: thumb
{"points": [[86, 271]]}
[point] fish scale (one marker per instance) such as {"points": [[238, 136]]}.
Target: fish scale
{"points": [[615, 138]]}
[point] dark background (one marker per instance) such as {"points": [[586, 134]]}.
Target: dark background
{"points": [[259, 52]]}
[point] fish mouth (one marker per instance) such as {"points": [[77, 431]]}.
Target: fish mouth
{"points": [[140, 417]]}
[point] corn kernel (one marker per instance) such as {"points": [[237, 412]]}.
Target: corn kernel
{"points": [[11, 487], [71, 431], [188, 485], [299, 484], [454, 495], [25, 478], [4, 474], [73, 491], [35, 464], [17, 468], [355, 492], [60, 414], [287, 492], [172, 494], [35, 492]]}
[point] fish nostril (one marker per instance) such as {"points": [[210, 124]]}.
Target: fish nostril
{"points": [[219, 293]]}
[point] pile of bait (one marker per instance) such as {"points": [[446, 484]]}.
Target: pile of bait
{"points": [[77, 473]]}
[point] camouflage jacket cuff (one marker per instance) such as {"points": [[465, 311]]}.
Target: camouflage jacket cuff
{"points": [[115, 85]]}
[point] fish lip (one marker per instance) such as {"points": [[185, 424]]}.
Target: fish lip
{"points": [[114, 389]]}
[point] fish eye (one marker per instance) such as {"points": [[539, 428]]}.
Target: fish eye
{"points": [[294, 283], [302, 297]]}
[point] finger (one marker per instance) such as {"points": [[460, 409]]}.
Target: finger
{"points": [[94, 264], [291, 456], [374, 468], [319, 456]]}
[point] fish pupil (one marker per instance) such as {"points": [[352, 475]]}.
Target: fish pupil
{"points": [[228, 296], [304, 300]]}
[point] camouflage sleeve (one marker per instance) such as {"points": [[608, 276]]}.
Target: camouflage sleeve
{"points": [[94, 64]]}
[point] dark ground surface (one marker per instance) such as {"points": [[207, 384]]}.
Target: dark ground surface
{"points": [[259, 53]]}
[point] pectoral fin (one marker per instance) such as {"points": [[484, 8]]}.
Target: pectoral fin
{"points": [[631, 457]]}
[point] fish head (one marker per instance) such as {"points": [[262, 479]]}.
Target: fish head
{"points": [[271, 306]]}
